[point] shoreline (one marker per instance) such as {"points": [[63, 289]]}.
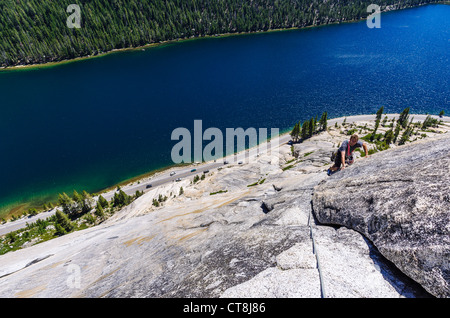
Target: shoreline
{"points": [[155, 175], [17, 208], [27, 67], [24, 67]]}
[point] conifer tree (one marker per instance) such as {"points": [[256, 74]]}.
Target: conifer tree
{"points": [[63, 224], [295, 133], [104, 203], [404, 117], [66, 203], [305, 130], [323, 122], [87, 202], [398, 127], [99, 210], [121, 199], [312, 127], [379, 113], [389, 137]]}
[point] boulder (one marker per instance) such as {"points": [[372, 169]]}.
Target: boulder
{"points": [[400, 200]]}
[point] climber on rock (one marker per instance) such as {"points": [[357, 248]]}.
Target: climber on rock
{"points": [[344, 155]]}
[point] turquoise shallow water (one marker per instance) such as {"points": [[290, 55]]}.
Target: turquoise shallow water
{"points": [[91, 124]]}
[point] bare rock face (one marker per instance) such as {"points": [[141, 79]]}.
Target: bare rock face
{"points": [[400, 200], [256, 239]]}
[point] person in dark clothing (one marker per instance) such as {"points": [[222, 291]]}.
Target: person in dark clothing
{"points": [[345, 153]]}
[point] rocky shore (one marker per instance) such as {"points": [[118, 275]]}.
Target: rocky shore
{"points": [[275, 226]]}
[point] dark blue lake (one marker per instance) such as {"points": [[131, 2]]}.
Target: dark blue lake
{"points": [[90, 124]]}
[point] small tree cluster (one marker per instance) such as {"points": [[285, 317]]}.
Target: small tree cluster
{"points": [[429, 122], [309, 128], [121, 199], [196, 178], [79, 204], [395, 135], [160, 200], [63, 225]]}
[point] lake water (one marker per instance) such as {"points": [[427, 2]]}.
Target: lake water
{"points": [[91, 124]]}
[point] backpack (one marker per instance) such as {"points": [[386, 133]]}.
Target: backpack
{"points": [[333, 155]]}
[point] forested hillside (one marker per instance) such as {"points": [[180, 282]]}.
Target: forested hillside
{"points": [[35, 31]]}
